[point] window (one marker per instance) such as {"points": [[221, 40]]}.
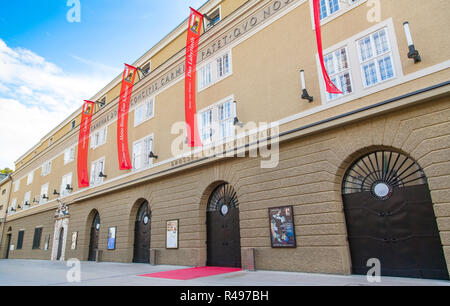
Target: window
{"points": [[16, 186], [66, 180], [37, 238], [144, 111], [217, 122], [74, 124], [20, 240], [44, 194], [69, 155], [328, 7], [50, 142], [338, 68], [141, 152], [146, 68], [99, 138], [97, 167], [1, 207], [215, 70], [46, 168], [13, 205], [30, 178], [26, 200], [4, 191], [375, 58], [215, 18]]}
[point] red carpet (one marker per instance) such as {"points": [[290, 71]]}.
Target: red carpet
{"points": [[191, 273]]}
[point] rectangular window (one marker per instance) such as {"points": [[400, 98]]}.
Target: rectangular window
{"points": [[97, 167], [44, 194], [215, 18], [16, 186], [30, 178], [328, 7], [46, 168], [13, 205], [375, 56], [20, 240], [26, 200], [338, 68], [99, 138], [69, 155], [37, 238], [215, 70], [141, 152], [217, 122], [144, 111], [66, 180]]}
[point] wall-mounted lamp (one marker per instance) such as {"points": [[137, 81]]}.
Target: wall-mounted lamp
{"points": [[45, 197], [27, 204], [236, 120], [152, 155], [35, 201], [19, 207], [305, 94], [69, 188], [413, 53], [102, 175], [12, 209], [55, 192]]}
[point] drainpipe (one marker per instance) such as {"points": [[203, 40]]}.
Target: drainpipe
{"points": [[6, 213]]}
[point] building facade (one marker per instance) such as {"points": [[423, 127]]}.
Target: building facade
{"points": [[282, 182], [5, 191]]}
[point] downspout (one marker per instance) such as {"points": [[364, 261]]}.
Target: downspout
{"points": [[6, 213]]}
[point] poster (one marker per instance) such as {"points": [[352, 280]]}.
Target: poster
{"points": [[74, 240], [172, 234], [112, 238], [282, 229]]}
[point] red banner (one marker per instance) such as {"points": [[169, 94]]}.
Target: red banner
{"points": [[83, 144], [331, 88], [193, 37], [122, 118]]}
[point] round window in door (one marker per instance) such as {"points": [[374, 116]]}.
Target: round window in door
{"points": [[223, 232], [390, 217]]}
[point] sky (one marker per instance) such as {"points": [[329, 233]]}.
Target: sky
{"points": [[49, 65]]}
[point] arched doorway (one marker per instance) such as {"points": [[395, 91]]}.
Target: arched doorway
{"points": [[142, 233], [223, 231], [60, 243], [390, 217], [8, 243], [95, 233]]}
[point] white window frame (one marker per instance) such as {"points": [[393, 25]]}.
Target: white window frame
{"points": [[46, 168], [94, 178], [146, 162], [213, 71], [64, 182], [219, 8], [145, 106], [13, 205], [97, 142], [17, 186], [30, 178], [68, 155], [44, 191], [344, 7], [359, 90], [27, 198], [336, 74], [216, 122], [375, 58]]}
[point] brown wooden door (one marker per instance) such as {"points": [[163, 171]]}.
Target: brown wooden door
{"points": [[60, 243], [393, 220], [8, 245], [142, 233], [95, 233], [223, 231]]}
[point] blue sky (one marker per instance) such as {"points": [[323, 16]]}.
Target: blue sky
{"points": [[49, 65]]}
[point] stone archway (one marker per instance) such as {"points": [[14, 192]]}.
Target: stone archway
{"points": [[61, 227]]}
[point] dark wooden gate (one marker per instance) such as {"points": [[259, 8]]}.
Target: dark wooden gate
{"points": [[95, 233], [60, 243], [8, 245], [142, 233], [390, 217], [223, 231]]}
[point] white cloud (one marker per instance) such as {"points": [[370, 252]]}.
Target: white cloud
{"points": [[35, 96]]}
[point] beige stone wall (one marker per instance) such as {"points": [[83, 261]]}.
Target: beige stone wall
{"points": [[308, 177], [5, 190]]}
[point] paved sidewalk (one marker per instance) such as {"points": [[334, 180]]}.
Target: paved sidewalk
{"points": [[47, 273]]}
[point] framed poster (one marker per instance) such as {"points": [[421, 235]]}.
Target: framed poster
{"points": [[172, 234], [74, 240], [282, 229], [46, 242], [112, 238]]}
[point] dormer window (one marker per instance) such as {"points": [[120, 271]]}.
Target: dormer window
{"points": [[146, 68], [212, 18]]}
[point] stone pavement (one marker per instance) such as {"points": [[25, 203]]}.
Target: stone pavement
{"points": [[48, 273]]}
